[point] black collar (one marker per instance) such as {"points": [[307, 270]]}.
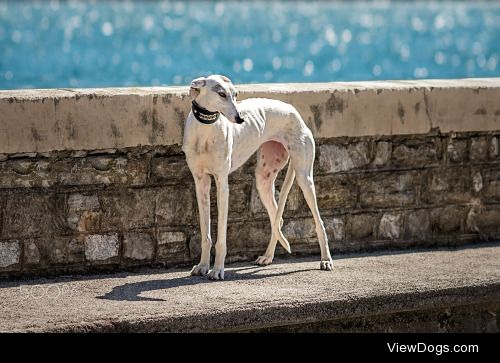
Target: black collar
{"points": [[203, 115]]}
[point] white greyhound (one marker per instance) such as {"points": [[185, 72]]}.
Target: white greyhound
{"points": [[220, 135]]}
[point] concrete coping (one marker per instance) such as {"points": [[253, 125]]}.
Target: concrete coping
{"points": [[252, 297], [93, 119]]}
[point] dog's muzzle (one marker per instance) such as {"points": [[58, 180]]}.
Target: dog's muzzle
{"points": [[238, 119]]}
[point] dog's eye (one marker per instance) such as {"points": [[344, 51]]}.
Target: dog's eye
{"points": [[222, 94]]}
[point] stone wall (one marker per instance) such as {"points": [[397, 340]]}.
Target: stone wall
{"points": [[78, 207]]}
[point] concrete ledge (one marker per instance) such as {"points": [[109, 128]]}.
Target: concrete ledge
{"points": [[95, 119], [446, 290]]}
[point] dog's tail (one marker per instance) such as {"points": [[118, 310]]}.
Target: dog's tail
{"points": [[285, 189]]}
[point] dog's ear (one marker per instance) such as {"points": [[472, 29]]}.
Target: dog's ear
{"points": [[196, 84]]}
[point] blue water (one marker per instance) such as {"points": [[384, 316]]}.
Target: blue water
{"points": [[45, 44]]}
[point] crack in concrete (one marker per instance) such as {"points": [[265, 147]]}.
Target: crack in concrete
{"points": [[426, 102]]}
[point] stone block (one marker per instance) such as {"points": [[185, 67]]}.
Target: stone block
{"points": [[29, 215], [26, 173], [31, 253], [128, 209], [335, 158], [48, 251], [479, 148], [361, 226], [300, 230], [447, 185], [170, 169], [456, 150], [172, 246], [390, 226], [491, 184], [448, 219], [335, 228], [246, 237], [335, 191], [488, 220], [493, 147], [138, 246], [418, 224], [101, 169], [84, 212], [102, 248], [385, 190], [10, 254], [382, 153], [417, 152], [175, 205]]}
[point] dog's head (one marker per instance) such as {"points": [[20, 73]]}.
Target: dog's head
{"points": [[216, 93]]}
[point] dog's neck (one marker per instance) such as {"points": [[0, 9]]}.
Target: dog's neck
{"points": [[203, 115]]}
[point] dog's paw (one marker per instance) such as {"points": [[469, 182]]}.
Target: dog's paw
{"points": [[199, 270], [263, 261], [326, 265], [216, 274]]}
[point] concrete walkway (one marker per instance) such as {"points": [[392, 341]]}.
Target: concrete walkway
{"points": [[291, 291]]}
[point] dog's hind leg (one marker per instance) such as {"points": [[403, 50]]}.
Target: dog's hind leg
{"points": [[271, 158], [303, 160]]}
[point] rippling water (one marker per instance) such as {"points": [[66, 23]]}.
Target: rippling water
{"points": [[46, 44]]}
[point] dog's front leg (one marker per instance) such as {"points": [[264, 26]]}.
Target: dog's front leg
{"points": [[202, 182], [220, 246]]}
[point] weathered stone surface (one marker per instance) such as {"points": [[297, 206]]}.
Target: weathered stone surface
{"points": [[295, 199], [45, 173], [138, 246], [493, 150], [299, 229], [418, 224], [3, 202], [102, 247], [170, 169], [479, 148], [31, 253], [175, 205], [390, 226], [10, 253], [335, 191], [335, 158], [84, 214], [491, 184], [389, 189], [29, 215], [456, 150], [25, 173], [418, 152], [48, 251], [171, 242], [102, 169], [243, 238], [239, 194], [446, 185], [360, 226], [488, 220], [448, 219], [335, 228], [127, 209], [382, 153], [477, 182], [173, 247]]}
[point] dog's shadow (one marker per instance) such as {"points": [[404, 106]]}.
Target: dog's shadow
{"points": [[132, 291]]}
